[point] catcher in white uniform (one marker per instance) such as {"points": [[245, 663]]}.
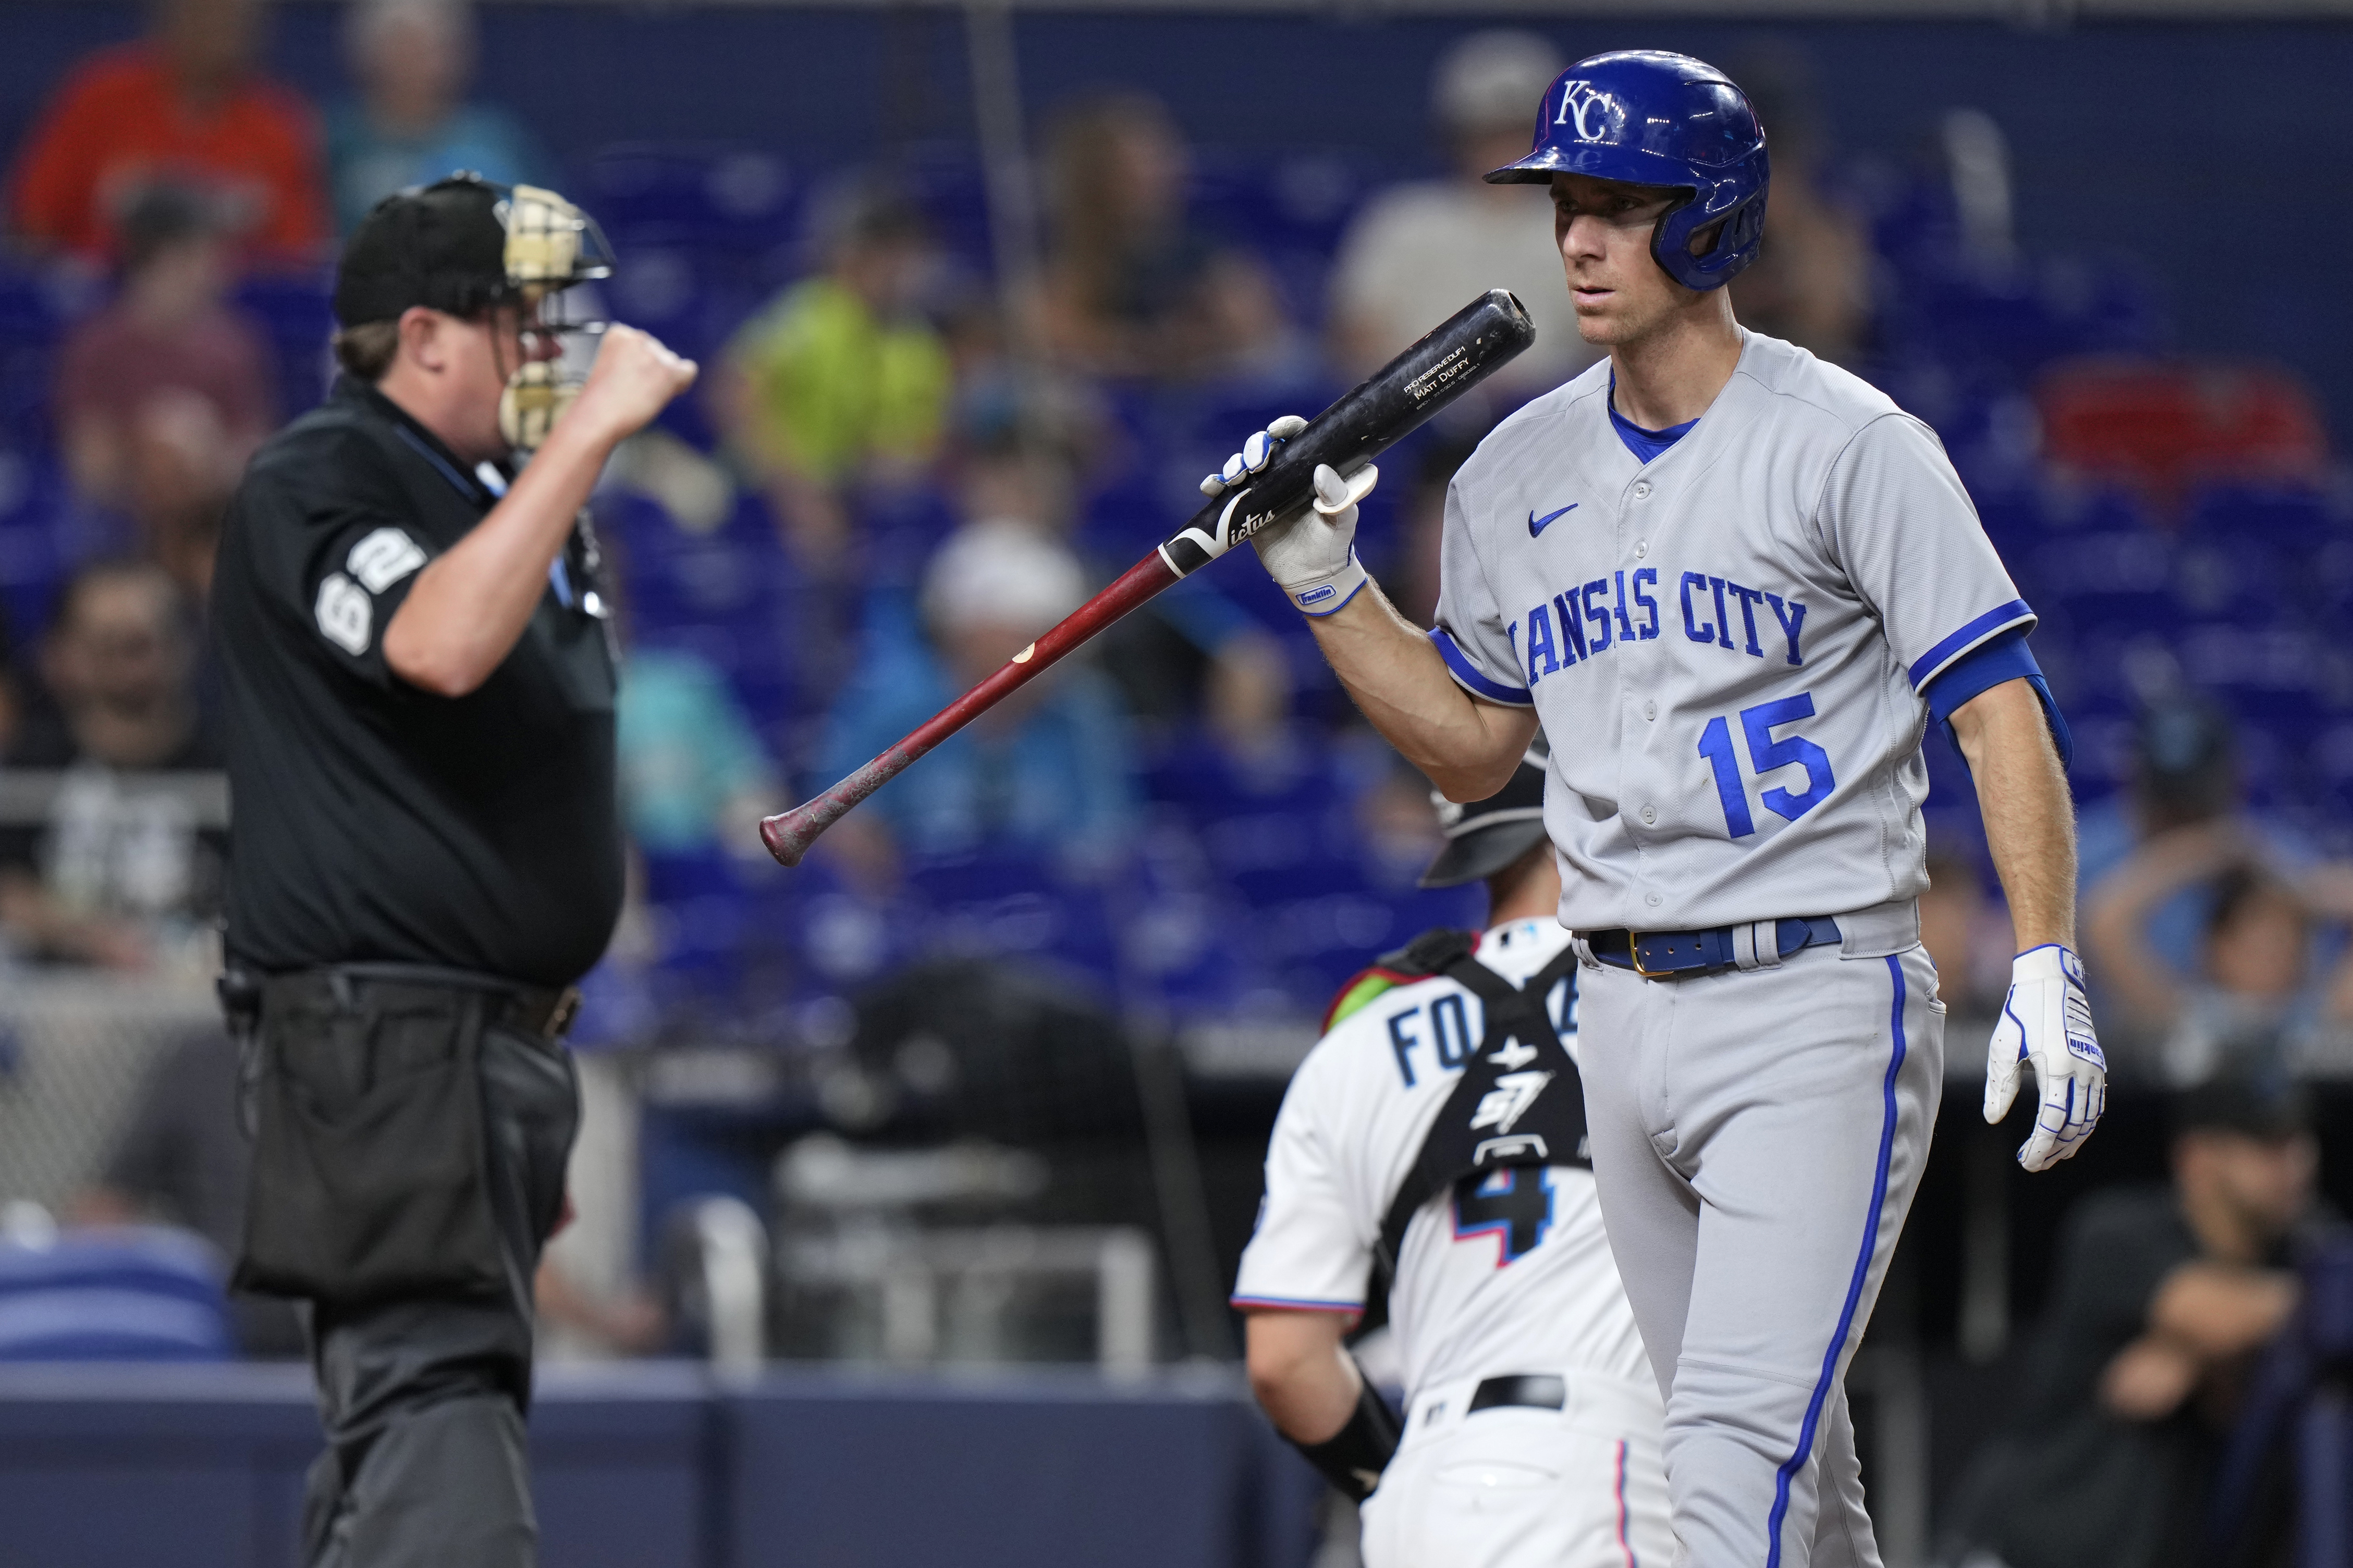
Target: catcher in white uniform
{"points": [[1431, 1147]]}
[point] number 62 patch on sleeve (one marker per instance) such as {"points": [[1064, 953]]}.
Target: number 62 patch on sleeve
{"points": [[345, 612]]}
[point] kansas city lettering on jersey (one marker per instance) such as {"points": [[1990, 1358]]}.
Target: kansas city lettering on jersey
{"points": [[1588, 620]]}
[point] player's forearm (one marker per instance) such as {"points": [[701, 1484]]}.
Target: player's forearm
{"points": [[469, 606], [1468, 748], [1304, 1379], [2030, 821], [2219, 1310]]}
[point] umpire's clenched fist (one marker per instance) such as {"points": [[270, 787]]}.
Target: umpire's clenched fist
{"points": [[633, 378]]}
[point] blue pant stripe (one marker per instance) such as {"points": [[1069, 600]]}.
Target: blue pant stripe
{"points": [[1855, 1286]]}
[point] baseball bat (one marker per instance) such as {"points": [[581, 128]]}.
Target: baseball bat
{"points": [[1460, 352]]}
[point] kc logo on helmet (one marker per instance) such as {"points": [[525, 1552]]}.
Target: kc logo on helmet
{"points": [[1579, 98]]}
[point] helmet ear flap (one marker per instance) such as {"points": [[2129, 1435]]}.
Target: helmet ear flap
{"points": [[1702, 252]]}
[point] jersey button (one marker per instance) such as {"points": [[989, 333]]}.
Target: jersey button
{"points": [[1651, 710], [1642, 490], [1642, 547], [1650, 817], [1651, 899]]}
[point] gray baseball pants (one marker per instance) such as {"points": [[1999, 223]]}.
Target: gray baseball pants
{"points": [[1756, 1138]]}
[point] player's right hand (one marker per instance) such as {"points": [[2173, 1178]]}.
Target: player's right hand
{"points": [[2047, 1021], [633, 379], [1311, 554]]}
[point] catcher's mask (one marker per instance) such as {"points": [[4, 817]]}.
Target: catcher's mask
{"points": [[476, 249]]}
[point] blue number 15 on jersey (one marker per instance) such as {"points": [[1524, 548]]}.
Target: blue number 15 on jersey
{"points": [[1765, 755]]}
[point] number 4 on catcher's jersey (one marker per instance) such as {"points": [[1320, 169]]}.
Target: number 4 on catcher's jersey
{"points": [[1512, 1205]]}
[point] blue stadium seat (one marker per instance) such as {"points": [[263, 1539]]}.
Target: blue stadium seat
{"points": [[139, 1293], [702, 924], [1005, 901], [698, 192], [2100, 580], [298, 312], [2013, 321]]}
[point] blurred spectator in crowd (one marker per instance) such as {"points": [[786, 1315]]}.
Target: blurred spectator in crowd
{"points": [[12, 683], [185, 105], [124, 868], [1419, 253], [163, 395], [2184, 770], [182, 1160], [1967, 937], [1050, 769], [1810, 283], [2254, 968], [1132, 287], [693, 774], [1411, 574], [839, 379], [411, 125], [2164, 1296]]}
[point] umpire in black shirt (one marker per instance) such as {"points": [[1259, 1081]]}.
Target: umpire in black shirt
{"points": [[418, 684]]}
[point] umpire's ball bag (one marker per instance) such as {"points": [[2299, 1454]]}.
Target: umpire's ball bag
{"points": [[369, 1168]]}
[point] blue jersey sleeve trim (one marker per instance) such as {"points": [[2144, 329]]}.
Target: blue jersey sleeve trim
{"points": [[1929, 665], [1295, 1304], [1471, 678], [2001, 658]]}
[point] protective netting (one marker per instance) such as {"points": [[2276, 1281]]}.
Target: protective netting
{"points": [[74, 1050]]}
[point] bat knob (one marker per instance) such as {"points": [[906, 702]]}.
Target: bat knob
{"points": [[787, 835]]}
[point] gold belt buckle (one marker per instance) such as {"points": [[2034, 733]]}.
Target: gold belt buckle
{"points": [[1634, 957]]}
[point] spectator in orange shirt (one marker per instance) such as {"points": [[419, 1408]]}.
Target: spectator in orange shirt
{"points": [[183, 105]]}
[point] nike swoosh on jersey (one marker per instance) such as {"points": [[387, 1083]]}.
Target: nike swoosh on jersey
{"points": [[1537, 524]]}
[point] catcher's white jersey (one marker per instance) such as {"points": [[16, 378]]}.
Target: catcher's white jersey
{"points": [[1727, 643], [1514, 1276]]}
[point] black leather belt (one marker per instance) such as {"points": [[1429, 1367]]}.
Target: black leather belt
{"points": [[1535, 1391], [533, 1010], [1668, 954]]}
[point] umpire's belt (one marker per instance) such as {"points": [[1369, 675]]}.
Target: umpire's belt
{"points": [[1673, 954], [532, 1010]]}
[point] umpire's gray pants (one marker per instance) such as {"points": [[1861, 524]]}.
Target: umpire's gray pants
{"points": [[423, 1399], [1756, 1138]]}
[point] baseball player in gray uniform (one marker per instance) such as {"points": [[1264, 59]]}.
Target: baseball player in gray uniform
{"points": [[1430, 1158], [1736, 585]]}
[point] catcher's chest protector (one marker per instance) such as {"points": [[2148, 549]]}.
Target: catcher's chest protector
{"points": [[1519, 1102]]}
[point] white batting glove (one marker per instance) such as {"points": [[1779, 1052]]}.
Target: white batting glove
{"points": [[2047, 1020], [1311, 554]]}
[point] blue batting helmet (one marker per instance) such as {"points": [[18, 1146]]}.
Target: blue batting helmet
{"points": [[1651, 118]]}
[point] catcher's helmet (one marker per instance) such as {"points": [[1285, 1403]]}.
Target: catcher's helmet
{"points": [[1486, 836], [1651, 118]]}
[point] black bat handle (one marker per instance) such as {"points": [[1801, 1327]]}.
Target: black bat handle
{"points": [[1462, 351]]}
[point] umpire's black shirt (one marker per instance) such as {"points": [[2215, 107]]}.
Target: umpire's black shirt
{"points": [[374, 820]]}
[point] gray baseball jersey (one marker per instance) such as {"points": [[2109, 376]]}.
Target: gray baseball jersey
{"points": [[1728, 643]]}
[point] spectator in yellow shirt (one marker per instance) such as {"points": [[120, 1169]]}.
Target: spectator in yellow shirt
{"points": [[838, 381]]}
